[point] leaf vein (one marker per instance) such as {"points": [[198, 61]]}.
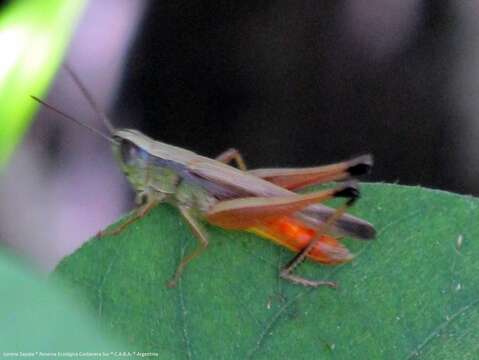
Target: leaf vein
{"points": [[274, 319], [449, 319], [183, 311], [103, 281]]}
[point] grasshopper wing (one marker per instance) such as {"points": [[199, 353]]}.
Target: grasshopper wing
{"points": [[346, 225], [245, 183]]}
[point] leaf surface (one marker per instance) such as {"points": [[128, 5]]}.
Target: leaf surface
{"points": [[38, 320], [411, 293]]}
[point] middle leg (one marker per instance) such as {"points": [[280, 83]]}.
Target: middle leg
{"points": [[230, 155], [200, 234]]}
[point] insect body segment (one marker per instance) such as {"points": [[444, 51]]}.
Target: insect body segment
{"points": [[261, 201]]}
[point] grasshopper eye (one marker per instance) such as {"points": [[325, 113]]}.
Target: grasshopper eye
{"points": [[129, 151]]}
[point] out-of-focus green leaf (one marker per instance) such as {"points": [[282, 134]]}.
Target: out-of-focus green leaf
{"points": [[33, 37], [413, 292], [36, 316]]}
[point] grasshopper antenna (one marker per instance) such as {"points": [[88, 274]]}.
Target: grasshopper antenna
{"points": [[101, 114], [54, 109]]}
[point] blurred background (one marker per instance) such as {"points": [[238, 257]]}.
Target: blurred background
{"points": [[297, 83]]}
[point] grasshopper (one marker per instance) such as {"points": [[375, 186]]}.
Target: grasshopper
{"points": [[262, 201]]}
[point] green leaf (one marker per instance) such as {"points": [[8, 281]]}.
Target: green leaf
{"points": [[35, 316], [413, 291], [33, 38]]}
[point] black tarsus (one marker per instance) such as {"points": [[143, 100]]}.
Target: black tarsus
{"points": [[349, 191], [361, 165]]}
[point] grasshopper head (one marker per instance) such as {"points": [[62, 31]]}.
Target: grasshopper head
{"points": [[126, 150], [144, 169], [132, 158], [131, 146]]}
